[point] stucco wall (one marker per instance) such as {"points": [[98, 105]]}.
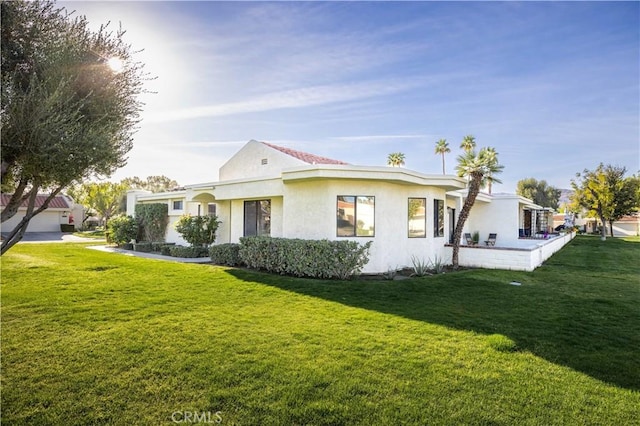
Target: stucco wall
{"points": [[310, 212], [500, 216], [248, 162]]}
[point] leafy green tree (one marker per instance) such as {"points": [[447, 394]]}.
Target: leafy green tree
{"points": [[539, 192], [395, 159], [66, 115], [605, 194], [103, 198], [442, 148], [151, 183], [477, 167]]}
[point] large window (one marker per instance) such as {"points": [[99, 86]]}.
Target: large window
{"points": [[438, 218], [417, 217], [355, 216], [257, 218]]}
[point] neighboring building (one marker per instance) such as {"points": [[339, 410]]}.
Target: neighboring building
{"points": [[61, 211], [266, 189]]}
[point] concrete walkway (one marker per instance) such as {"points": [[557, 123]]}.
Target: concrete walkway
{"points": [[109, 249], [53, 237]]}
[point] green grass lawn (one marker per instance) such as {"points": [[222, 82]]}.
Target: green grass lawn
{"points": [[101, 338]]}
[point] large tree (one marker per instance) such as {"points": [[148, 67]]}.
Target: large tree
{"points": [[539, 192], [102, 198], [477, 167], [442, 148], [606, 194], [66, 114], [151, 183]]}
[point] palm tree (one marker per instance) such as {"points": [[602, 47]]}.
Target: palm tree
{"points": [[468, 143], [395, 159], [478, 168], [492, 157], [442, 147]]}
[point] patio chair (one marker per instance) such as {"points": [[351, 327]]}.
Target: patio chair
{"points": [[491, 241], [469, 239]]}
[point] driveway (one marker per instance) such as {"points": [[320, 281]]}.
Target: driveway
{"points": [[53, 237]]}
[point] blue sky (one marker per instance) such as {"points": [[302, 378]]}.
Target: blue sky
{"points": [[554, 87]]}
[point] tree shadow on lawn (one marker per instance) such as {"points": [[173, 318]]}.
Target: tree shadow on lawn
{"points": [[596, 336]]}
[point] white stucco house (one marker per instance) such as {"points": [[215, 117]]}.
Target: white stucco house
{"points": [[266, 189], [62, 210]]}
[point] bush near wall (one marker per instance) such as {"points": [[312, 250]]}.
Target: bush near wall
{"points": [[182, 251], [225, 254], [305, 258]]}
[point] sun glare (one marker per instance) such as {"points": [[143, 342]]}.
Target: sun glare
{"points": [[115, 64]]}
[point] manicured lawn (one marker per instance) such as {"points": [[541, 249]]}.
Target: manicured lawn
{"points": [[101, 338]]}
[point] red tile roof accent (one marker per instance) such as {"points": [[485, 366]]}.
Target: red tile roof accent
{"points": [[305, 156], [58, 202]]}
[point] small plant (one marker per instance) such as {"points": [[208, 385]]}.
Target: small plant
{"points": [[420, 267], [475, 237], [437, 265], [390, 274]]}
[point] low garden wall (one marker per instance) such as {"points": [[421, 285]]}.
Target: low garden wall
{"points": [[510, 258]]}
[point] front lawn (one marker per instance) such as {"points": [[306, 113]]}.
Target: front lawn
{"points": [[99, 338]]}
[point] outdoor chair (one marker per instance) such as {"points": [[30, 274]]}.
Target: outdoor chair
{"points": [[491, 241], [469, 239]]}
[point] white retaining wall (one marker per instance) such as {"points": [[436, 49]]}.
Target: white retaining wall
{"points": [[515, 259]]}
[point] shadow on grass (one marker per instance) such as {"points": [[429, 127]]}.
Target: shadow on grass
{"points": [[568, 319]]}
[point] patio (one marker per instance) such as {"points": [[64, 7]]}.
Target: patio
{"points": [[524, 254]]}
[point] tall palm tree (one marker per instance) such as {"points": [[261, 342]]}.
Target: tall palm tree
{"points": [[442, 147], [477, 167], [395, 159], [468, 143]]}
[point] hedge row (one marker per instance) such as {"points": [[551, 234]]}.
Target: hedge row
{"points": [[300, 258], [225, 254]]}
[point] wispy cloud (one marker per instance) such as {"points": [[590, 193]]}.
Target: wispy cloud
{"points": [[296, 98]]}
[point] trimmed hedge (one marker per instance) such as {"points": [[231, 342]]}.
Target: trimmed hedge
{"points": [[225, 254], [182, 251], [305, 258]]}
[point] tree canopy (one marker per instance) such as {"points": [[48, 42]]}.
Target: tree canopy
{"points": [[539, 192], [606, 193], [66, 115], [395, 159]]}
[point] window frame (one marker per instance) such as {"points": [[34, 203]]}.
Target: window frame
{"points": [[258, 215], [438, 218], [340, 213], [424, 204], [173, 204]]}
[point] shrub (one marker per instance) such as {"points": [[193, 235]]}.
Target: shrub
{"points": [[225, 254], [143, 247], [122, 229], [199, 231], [305, 258], [153, 218], [191, 252]]}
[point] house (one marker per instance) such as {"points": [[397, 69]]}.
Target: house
{"points": [[62, 210], [265, 189]]}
